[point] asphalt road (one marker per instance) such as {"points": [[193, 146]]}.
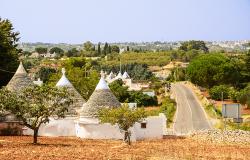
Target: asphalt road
{"points": [[189, 114]]}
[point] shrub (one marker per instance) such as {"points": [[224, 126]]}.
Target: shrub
{"points": [[142, 99], [244, 96], [168, 108], [216, 92], [233, 94]]}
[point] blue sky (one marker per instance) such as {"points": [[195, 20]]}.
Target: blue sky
{"points": [[76, 21]]}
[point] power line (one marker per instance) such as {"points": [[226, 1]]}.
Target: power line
{"points": [[6, 71]]}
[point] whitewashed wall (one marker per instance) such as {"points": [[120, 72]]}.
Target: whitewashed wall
{"points": [[90, 128], [155, 127], [56, 128]]}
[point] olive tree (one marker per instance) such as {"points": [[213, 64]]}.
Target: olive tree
{"points": [[124, 117], [35, 105]]}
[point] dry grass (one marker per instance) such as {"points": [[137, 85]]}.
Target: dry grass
{"points": [[74, 148]]}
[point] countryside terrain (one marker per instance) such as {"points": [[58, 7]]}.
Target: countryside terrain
{"points": [[75, 148]]}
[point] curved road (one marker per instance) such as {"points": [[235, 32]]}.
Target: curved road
{"points": [[189, 114]]}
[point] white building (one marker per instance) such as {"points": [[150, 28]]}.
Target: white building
{"points": [[88, 125], [66, 126]]}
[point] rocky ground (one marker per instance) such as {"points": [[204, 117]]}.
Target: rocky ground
{"points": [[171, 147], [227, 136]]}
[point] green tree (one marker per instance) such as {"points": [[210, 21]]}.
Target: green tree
{"points": [[26, 53], [35, 105], [244, 96], [99, 51], [115, 49], [41, 50], [197, 45], [109, 49], [8, 51], [128, 49], [142, 99], [59, 52], [207, 70], [88, 46], [45, 72], [217, 92], [124, 117], [106, 49], [120, 91], [72, 53], [81, 75]]}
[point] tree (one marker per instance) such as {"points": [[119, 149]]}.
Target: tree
{"points": [[109, 49], [119, 90], [88, 46], [41, 50], [207, 70], [59, 52], [72, 53], [106, 49], [115, 49], [197, 45], [45, 72], [8, 51], [128, 49], [99, 51], [124, 117], [26, 53], [217, 91], [80, 74], [35, 105], [142, 99], [244, 96]]}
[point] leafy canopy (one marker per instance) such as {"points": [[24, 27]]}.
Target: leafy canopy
{"points": [[8, 51], [124, 117], [207, 70], [35, 105]]}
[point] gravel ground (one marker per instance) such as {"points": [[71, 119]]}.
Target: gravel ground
{"points": [[73, 148], [228, 136]]}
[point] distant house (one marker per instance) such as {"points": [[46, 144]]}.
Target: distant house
{"points": [[149, 93], [38, 82], [34, 55], [48, 55]]}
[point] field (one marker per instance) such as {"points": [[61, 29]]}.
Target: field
{"points": [[63, 148]]}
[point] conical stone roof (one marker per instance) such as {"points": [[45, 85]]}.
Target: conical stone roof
{"points": [[125, 75], [20, 80], [102, 97], [78, 101], [119, 76]]}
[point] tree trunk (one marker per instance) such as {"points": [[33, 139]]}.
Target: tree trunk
{"points": [[35, 136], [127, 137]]}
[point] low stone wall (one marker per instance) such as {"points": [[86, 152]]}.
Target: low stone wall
{"points": [[219, 136], [11, 128]]}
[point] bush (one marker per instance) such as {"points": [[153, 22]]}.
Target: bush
{"points": [[233, 94], [216, 92], [168, 108], [244, 96], [213, 111], [142, 99]]}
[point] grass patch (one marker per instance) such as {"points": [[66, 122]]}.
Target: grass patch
{"points": [[168, 107], [213, 112]]}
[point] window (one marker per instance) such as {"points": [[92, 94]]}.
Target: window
{"points": [[143, 125]]}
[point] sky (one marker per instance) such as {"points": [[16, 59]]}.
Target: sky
{"points": [[76, 21]]}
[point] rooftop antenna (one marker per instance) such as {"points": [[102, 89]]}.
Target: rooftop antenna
{"points": [[102, 74], [63, 71]]}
